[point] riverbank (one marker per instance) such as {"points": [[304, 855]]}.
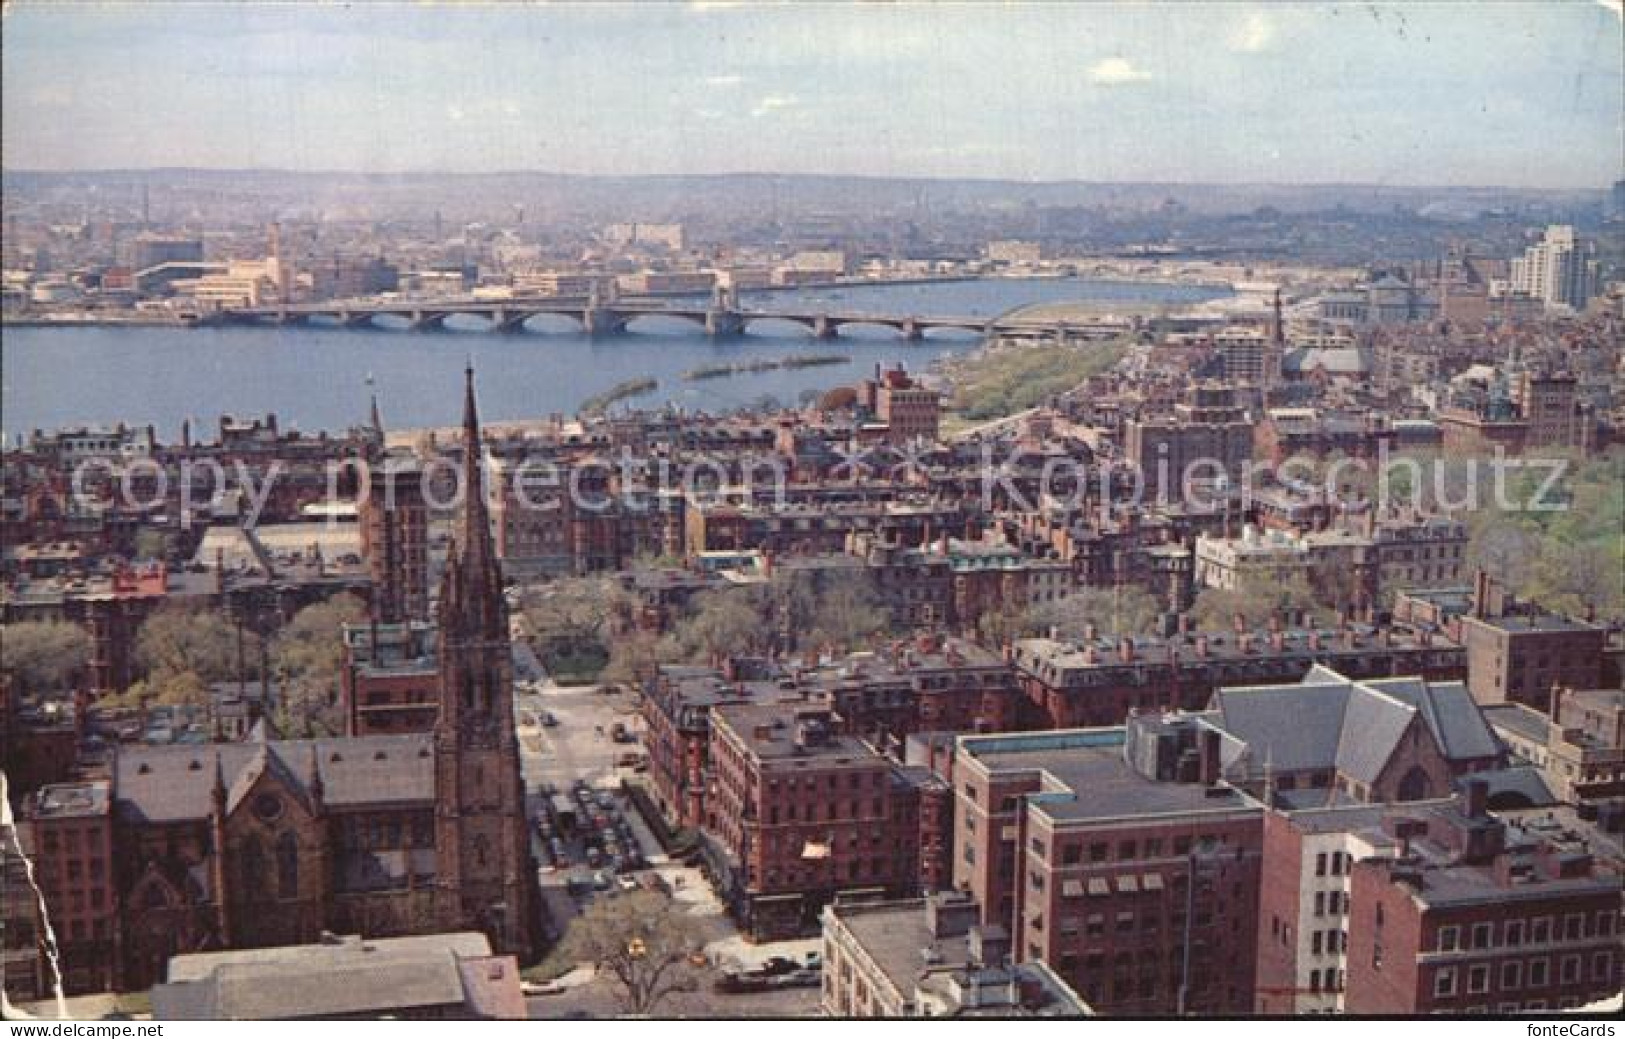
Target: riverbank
{"points": [[86, 320]]}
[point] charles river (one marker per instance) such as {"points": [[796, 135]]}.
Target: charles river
{"points": [[314, 377]]}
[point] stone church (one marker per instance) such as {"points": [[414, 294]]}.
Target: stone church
{"points": [[250, 844]]}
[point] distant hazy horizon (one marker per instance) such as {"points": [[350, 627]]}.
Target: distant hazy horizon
{"points": [[1515, 96], [145, 171]]}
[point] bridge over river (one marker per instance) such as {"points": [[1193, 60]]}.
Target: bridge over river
{"points": [[600, 317]]}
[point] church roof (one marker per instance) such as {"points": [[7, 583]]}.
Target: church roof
{"points": [[175, 783], [1329, 721]]}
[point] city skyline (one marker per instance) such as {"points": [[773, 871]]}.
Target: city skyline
{"points": [[1229, 93]]}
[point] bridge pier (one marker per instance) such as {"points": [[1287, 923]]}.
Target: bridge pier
{"points": [[428, 320], [721, 322], [285, 318], [601, 321], [509, 322], [911, 330], [355, 319], [823, 327]]}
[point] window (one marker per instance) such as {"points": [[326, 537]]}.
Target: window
{"points": [[287, 866], [1314, 978], [1320, 903], [1511, 975], [1540, 932], [1338, 859], [1602, 966], [1478, 979], [1038, 847], [1444, 982], [1573, 926], [1320, 865], [1071, 854], [1538, 973], [1314, 945], [1126, 850], [1605, 922], [1513, 934], [1097, 852], [1448, 939], [1569, 969], [1481, 935]]}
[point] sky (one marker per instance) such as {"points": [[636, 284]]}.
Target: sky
{"points": [[1508, 94]]}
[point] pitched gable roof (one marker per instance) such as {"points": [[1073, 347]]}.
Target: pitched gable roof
{"points": [[1328, 721], [174, 783]]}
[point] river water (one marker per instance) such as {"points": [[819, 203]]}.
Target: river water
{"points": [[314, 377]]}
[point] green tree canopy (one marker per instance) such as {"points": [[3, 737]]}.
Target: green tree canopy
{"points": [[44, 656]]}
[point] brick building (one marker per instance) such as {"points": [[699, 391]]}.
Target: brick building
{"points": [[1206, 437], [394, 520], [801, 814], [71, 830], [1471, 914], [930, 958], [676, 712], [909, 411], [1517, 652], [1140, 892], [1096, 680], [391, 678]]}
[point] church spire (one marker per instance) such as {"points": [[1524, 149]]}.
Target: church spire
{"points": [[376, 420], [474, 532], [471, 597]]}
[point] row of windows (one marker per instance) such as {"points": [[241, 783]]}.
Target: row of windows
{"points": [[1331, 903], [1151, 848], [1517, 974], [1336, 863], [1538, 931]]}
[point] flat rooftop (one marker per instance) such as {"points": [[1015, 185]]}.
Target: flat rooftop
{"points": [[1085, 778], [769, 731]]}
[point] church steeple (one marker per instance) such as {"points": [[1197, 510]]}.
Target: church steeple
{"points": [[471, 602], [484, 875]]}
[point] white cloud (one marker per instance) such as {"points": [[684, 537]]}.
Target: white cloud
{"points": [[724, 81], [773, 103], [1255, 35], [1116, 72]]}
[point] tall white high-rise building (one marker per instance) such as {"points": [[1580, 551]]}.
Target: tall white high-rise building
{"points": [[1559, 269]]}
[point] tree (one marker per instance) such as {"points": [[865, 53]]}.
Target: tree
{"points": [[307, 658], [721, 621], [151, 543], [633, 657], [177, 640], [794, 610], [574, 616], [43, 656], [642, 941], [1127, 610], [1256, 598]]}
